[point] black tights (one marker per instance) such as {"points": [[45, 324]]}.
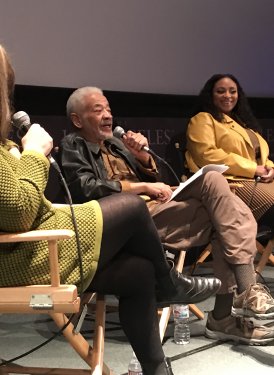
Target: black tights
{"points": [[131, 259]]}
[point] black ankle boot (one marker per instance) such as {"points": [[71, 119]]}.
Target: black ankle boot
{"points": [[163, 368], [179, 288]]}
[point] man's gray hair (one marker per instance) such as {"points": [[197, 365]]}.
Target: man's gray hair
{"points": [[76, 98]]}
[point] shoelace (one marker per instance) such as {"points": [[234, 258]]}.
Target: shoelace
{"points": [[264, 289], [258, 288]]}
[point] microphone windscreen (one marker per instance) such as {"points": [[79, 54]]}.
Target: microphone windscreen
{"points": [[118, 132], [21, 121], [20, 118]]}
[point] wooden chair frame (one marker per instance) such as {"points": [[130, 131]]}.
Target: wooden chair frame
{"points": [[265, 252], [57, 301], [266, 256], [166, 312]]}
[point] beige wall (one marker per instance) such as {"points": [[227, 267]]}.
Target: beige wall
{"points": [[157, 46]]}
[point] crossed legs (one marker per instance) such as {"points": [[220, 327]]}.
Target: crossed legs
{"points": [[125, 269]]}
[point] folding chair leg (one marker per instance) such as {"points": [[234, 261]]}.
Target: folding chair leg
{"points": [[266, 256], [77, 341], [164, 319], [196, 311], [202, 257], [166, 311], [193, 308], [92, 356], [99, 338], [81, 346], [17, 369]]}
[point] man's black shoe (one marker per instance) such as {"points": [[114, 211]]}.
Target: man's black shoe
{"points": [[179, 288]]}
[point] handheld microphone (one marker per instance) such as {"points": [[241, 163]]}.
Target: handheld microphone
{"points": [[21, 121], [119, 132]]}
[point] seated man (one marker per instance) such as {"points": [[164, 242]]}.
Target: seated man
{"points": [[95, 165]]}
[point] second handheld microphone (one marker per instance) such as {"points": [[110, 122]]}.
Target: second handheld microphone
{"points": [[21, 121]]}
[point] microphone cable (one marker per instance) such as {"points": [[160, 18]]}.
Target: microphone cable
{"points": [[257, 179], [163, 161], [39, 346], [74, 222]]}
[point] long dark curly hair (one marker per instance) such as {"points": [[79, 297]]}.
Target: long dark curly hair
{"points": [[241, 113]]}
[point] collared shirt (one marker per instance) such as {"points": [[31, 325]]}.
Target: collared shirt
{"points": [[116, 167]]}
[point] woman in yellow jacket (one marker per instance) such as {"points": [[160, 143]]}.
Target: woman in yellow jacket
{"points": [[121, 250], [224, 131]]}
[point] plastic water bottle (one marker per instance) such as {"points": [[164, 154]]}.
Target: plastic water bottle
{"points": [[181, 324], [134, 367]]}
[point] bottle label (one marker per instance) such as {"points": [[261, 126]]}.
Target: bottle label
{"points": [[180, 311]]}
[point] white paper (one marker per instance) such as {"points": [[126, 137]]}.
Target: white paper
{"points": [[210, 167]]}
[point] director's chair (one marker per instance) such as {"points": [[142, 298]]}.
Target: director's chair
{"points": [[57, 301]]}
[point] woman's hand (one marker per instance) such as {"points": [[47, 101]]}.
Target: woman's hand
{"points": [[261, 171], [269, 176], [37, 139]]}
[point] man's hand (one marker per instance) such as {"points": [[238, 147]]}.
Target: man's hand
{"points": [[155, 190], [135, 142], [158, 190]]}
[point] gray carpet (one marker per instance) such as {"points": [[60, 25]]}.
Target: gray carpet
{"points": [[19, 333]]}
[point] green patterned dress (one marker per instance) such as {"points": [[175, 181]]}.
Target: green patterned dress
{"points": [[23, 207]]}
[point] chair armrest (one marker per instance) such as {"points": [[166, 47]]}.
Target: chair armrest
{"points": [[36, 235], [52, 236]]}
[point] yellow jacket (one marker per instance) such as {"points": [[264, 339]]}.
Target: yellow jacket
{"points": [[212, 142]]}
